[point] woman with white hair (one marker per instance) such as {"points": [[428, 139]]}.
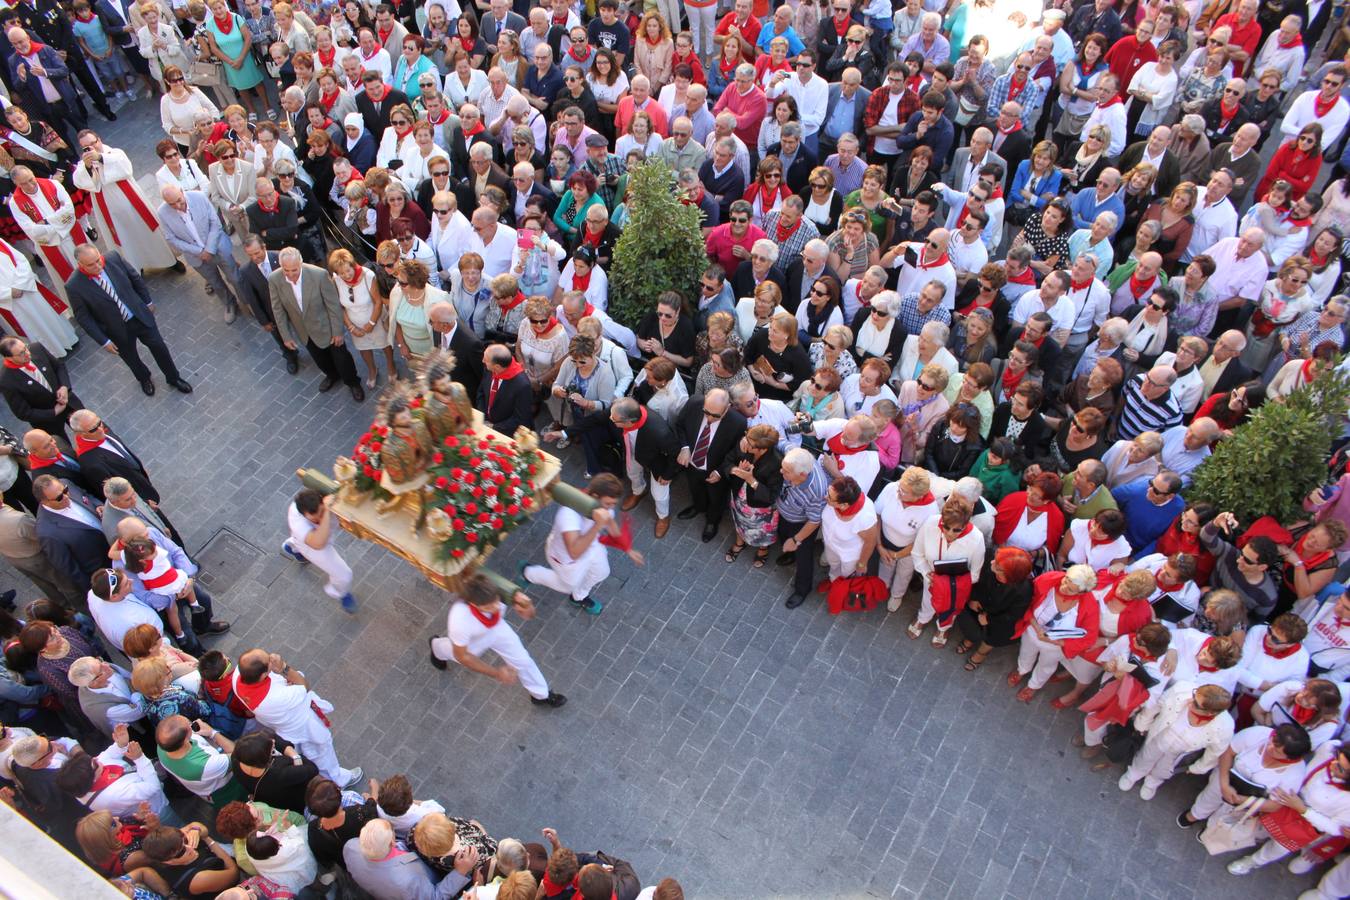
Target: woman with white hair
{"points": [[877, 334], [928, 346], [1061, 623], [1097, 242], [385, 869]]}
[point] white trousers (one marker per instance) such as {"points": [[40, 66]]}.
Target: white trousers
{"points": [[577, 579], [1092, 737], [333, 565], [1084, 671], [1336, 883], [322, 754], [1157, 759], [839, 568], [1272, 850], [504, 641], [898, 575], [1038, 657], [1210, 800], [660, 492], [702, 21]]}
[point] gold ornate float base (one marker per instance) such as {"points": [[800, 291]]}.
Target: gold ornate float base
{"points": [[395, 529]]}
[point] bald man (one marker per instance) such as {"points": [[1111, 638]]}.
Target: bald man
{"points": [[193, 230]]}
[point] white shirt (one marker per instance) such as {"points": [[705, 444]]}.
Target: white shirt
{"points": [[1327, 643], [1062, 313], [570, 521], [378, 62], [1099, 556], [1303, 112], [1113, 117], [139, 784], [812, 98], [901, 521], [297, 289], [852, 395], [1213, 223], [861, 467], [1235, 277], [1188, 595], [967, 258], [1258, 667], [1187, 642], [843, 538], [913, 278], [466, 631], [497, 254], [1091, 306], [300, 527], [889, 118], [775, 413], [78, 513]]}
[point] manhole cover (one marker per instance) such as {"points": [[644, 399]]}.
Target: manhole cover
{"points": [[224, 560]]}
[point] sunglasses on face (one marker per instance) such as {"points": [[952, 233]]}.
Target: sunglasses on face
{"points": [[819, 185], [852, 40], [932, 245], [819, 292], [226, 156], [880, 313], [1231, 91], [665, 315], [817, 385], [1158, 306], [1023, 68], [740, 220], [925, 386], [175, 80], [538, 321]]}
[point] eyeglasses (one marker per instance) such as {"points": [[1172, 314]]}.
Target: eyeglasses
{"points": [[818, 386], [538, 321], [175, 80], [441, 212], [925, 386], [1231, 91], [740, 220], [226, 155], [665, 315], [819, 292]]}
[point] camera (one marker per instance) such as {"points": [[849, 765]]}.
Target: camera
{"points": [[800, 427]]}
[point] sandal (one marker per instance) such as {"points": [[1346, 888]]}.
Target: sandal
{"points": [[733, 553], [1062, 702], [940, 639], [964, 647], [1101, 765], [1025, 694], [974, 662], [915, 630], [761, 557], [1014, 678]]}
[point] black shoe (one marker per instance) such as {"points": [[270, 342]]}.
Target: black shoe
{"points": [[181, 386], [148, 387], [687, 513], [292, 365], [7, 599], [436, 660], [554, 699], [788, 558], [327, 384], [1183, 822], [218, 627], [358, 393], [108, 114], [794, 601], [709, 532], [180, 268]]}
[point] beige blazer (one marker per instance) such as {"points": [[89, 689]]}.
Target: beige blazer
{"points": [[320, 320]]}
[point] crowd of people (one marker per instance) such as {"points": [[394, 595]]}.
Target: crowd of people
{"points": [[986, 283]]}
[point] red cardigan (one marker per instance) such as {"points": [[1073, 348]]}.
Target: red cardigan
{"points": [[1088, 615], [1010, 510], [1291, 165]]}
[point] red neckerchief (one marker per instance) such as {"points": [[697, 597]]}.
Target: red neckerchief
{"points": [[357, 272], [1302, 714], [1320, 108], [270, 210], [251, 695], [502, 377], [853, 508], [1225, 114], [572, 52], [1011, 380], [940, 261], [1016, 126], [592, 240], [784, 233], [106, 776], [1138, 288], [39, 462], [580, 282], [1109, 103], [485, 620], [85, 16], [1207, 642], [1203, 718], [553, 889], [841, 28], [1026, 276], [1296, 42], [589, 310], [650, 42], [355, 176], [1137, 649], [1097, 542], [560, 19], [623, 540], [1306, 370], [840, 449], [961, 219], [400, 135], [1282, 653], [327, 100], [467, 43], [728, 67], [1014, 89], [383, 34], [1318, 260], [326, 60], [474, 129], [1310, 562], [1076, 286], [11, 364], [445, 114], [518, 299], [83, 444], [542, 330], [1165, 587], [227, 25], [642, 420], [914, 82], [922, 501]]}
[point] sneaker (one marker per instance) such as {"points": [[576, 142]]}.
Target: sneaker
{"points": [[436, 660], [1301, 865], [893, 604], [1126, 783], [348, 603], [196, 607], [288, 552], [358, 776], [554, 699], [523, 579], [589, 604], [1243, 866], [1183, 822], [1147, 792]]}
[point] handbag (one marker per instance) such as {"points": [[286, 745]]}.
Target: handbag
{"points": [[206, 73], [1236, 829], [1122, 742]]}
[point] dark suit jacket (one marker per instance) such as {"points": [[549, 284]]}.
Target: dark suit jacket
{"points": [[377, 119], [468, 350], [29, 93], [1047, 363], [743, 280], [253, 289], [97, 312], [33, 403], [547, 197], [860, 104], [514, 22], [459, 152], [1234, 375], [793, 287], [1168, 176], [828, 39], [77, 550], [894, 348], [514, 405], [725, 442], [465, 196], [101, 463], [278, 229], [1015, 148], [656, 448], [799, 172], [730, 187]]}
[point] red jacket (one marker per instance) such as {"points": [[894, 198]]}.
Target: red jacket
{"points": [[1010, 510], [1088, 615], [1294, 167], [1128, 56]]}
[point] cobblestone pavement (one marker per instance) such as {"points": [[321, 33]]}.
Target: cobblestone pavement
{"points": [[713, 735]]}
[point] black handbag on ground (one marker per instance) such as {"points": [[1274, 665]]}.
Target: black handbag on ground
{"points": [[1122, 742]]}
